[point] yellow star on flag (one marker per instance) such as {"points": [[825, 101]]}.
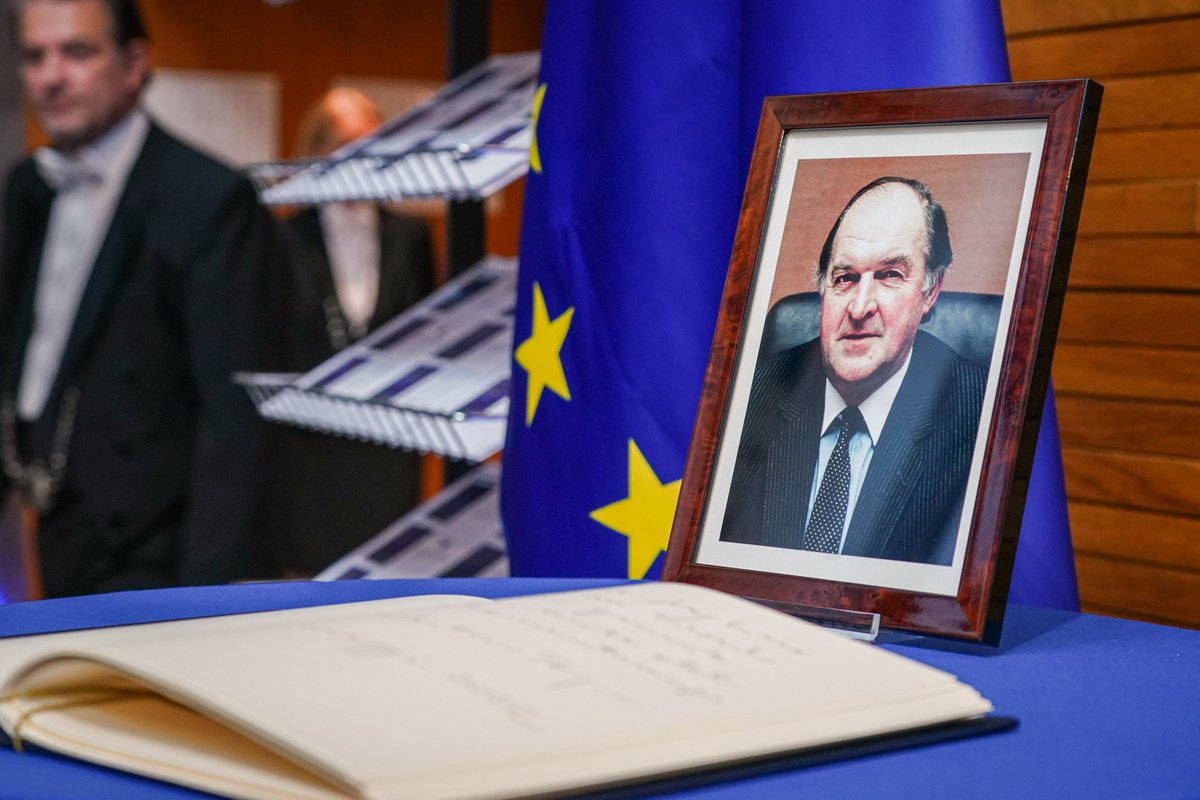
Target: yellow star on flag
{"points": [[644, 516], [538, 354], [535, 158]]}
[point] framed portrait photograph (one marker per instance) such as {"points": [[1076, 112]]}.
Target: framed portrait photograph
{"points": [[871, 406]]}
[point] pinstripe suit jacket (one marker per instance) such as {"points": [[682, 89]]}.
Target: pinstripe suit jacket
{"points": [[912, 495]]}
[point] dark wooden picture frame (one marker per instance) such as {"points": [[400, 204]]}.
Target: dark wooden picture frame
{"points": [[813, 150]]}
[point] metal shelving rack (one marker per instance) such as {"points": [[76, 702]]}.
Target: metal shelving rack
{"points": [[468, 141]]}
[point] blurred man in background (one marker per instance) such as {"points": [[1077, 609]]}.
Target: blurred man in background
{"points": [[133, 283]]}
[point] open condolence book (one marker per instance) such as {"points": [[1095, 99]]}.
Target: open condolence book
{"points": [[455, 697]]}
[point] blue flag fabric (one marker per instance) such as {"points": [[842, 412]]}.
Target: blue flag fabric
{"points": [[630, 210], [644, 125]]}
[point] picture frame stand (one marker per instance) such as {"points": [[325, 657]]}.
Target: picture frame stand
{"points": [[862, 625], [851, 205]]}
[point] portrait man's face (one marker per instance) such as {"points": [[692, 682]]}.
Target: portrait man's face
{"points": [[873, 295], [77, 79]]}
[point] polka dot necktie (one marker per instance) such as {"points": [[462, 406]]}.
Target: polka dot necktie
{"points": [[824, 533]]}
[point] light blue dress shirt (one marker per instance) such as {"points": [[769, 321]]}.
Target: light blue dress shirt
{"points": [[875, 410]]}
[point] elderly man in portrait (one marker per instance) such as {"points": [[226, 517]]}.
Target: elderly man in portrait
{"points": [[859, 442]]}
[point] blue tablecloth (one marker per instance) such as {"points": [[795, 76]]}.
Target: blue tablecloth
{"points": [[1107, 708]]}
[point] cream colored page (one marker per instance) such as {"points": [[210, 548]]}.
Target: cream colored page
{"points": [[149, 736], [20, 651], [569, 685]]}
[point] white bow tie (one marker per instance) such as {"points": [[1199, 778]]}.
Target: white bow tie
{"points": [[62, 172]]}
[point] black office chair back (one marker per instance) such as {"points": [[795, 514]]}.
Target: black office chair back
{"points": [[963, 320]]}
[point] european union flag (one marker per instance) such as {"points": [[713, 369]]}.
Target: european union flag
{"points": [[644, 125], [630, 209]]}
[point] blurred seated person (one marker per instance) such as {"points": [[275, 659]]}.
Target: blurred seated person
{"points": [[356, 266]]}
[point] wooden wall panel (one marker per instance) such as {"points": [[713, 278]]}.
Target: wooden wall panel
{"points": [[1132, 262], [1034, 16], [1154, 592], [1154, 319], [1138, 49], [1137, 426], [1127, 366], [1134, 535], [304, 43], [1133, 372], [1139, 208], [307, 43], [1147, 155], [1152, 483], [1153, 101]]}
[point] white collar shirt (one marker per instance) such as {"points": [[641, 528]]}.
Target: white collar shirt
{"points": [[351, 232], [875, 410]]}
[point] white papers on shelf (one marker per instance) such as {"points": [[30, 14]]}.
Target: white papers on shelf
{"points": [[467, 141], [434, 379], [456, 534]]}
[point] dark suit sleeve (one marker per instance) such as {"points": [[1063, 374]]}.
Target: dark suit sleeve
{"points": [[406, 264], [418, 261], [23, 208], [7, 203], [230, 311], [307, 279]]}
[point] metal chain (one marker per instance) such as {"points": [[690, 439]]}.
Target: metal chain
{"points": [[336, 325], [39, 480]]}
